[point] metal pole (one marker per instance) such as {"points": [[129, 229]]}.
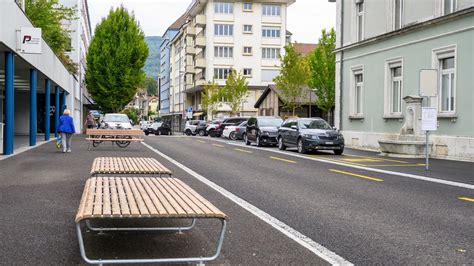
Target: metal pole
{"points": [[47, 109], [33, 118], [9, 130], [57, 109], [426, 152]]}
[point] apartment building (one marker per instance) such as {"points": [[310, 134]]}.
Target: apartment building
{"points": [[381, 48], [218, 36], [81, 35]]}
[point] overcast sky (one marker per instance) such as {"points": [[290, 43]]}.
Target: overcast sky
{"points": [[306, 18]]}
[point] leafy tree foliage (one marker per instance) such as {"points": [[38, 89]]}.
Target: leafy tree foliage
{"points": [[234, 91], [322, 63], [115, 60], [210, 96], [293, 78], [49, 16], [151, 85]]}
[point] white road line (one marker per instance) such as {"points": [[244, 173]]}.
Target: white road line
{"points": [[301, 239], [412, 176]]}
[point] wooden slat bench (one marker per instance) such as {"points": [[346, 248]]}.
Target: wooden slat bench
{"points": [[129, 166], [122, 137], [139, 198]]}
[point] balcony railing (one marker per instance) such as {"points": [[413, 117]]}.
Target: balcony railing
{"points": [[200, 20]]}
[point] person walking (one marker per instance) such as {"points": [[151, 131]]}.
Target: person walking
{"points": [[66, 128], [90, 120]]}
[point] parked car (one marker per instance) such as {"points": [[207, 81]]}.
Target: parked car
{"points": [[263, 130], [190, 127], [201, 128], [145, 124], [116, 121], [158, 128], [232, 121], [235, 132], [309, 134], [212, 127]]}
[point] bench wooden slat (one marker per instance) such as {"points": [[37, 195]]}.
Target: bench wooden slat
{"points": [[114, 132], [99, 139], [143, 197], [98, 197], [129, 198], [124, 203]]}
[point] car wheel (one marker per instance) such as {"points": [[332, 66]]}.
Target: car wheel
{"points": [[259, 144], [233, 135], [212, 133], [157, 132], [338, 152], [247, 142], [188, 132], [201, 133], [169, 133], [147, 133], [281, 145], [301, 147]]}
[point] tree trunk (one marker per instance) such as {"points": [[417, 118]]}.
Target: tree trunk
{"points": [[294, 110]]}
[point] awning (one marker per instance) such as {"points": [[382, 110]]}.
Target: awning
{"points": [[198, 114]]}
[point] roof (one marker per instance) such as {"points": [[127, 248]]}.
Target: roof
{"points": [[304, 48], [304, 99], [178, 23]]}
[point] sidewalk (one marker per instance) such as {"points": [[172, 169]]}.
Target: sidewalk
{"points": [[40, 191]]}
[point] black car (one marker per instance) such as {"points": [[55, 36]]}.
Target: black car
{"points": [[232, 121], [263, 130], [158, 128], [309, 134], [201, 128]]}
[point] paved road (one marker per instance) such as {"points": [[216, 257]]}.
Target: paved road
{"points": [[364, 216]]}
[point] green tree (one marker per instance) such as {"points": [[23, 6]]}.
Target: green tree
{"points": [[293, 78], [322, 63], [151, 85], [132, 114], [234, 91], [49, 15], [210, 96], [115, 60]]}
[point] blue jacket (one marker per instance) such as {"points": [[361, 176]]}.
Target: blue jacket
{"points": [[66, 125]]}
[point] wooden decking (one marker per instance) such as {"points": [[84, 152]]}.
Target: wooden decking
{"points": [[128, 165], [121, 197]]}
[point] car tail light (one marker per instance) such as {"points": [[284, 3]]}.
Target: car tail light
{"points": [[237, 129]]}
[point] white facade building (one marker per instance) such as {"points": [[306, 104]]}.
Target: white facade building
{"points": [[247, 36]]}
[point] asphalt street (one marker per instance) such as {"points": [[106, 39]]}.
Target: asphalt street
{"points": [[364, 216], [40, 192]]}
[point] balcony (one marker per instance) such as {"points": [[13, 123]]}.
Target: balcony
{"points": [[190, 31], [200, 20], [189, 80], [190, 70], [201, 82], [200, 42], [200, 63], [190, 50]]}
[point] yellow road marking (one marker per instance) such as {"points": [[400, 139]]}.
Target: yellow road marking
{"points": [[281, 159], [360, 160], [242, 150], [357, 175], [333, 160], [466, 199], [218, 145], [376, 158], [201, 141]]}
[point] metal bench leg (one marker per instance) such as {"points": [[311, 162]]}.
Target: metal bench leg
{"points": [[199, 260], [174, 229]]}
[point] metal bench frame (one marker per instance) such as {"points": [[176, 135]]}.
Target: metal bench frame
{"points": [[199, 260]]}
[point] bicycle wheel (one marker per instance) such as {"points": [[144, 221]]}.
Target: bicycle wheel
{"points": [[123, 143]]}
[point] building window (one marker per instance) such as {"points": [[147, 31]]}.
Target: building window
{"points": [[398, 14], [247, 28], [248, 7], [450, 6], [271, 10], [223, 30], [357, 91], [247, 50], [396, 85], [221, 73], [223, 52], [271, 32], [447, 72], [360, 20], [269, 74], [247, 72], [270, 53], [223, 8]]}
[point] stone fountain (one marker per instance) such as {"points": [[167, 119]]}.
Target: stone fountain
{"points": [[410, 142]]}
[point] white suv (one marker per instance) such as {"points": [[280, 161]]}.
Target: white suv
{"points": [[116, 121], [190, 127]]}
